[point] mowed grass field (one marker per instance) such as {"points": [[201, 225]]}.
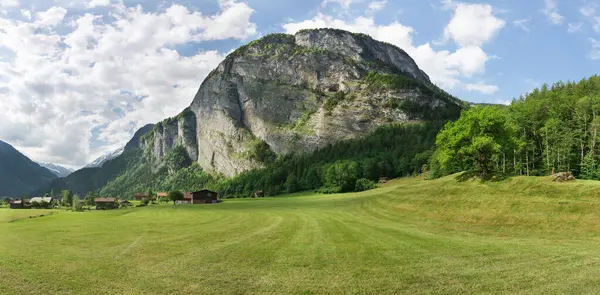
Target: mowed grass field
{"points": [[520, 236]]}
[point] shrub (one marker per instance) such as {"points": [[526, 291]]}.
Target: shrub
{"points": [[261, 152], [331, 190], [333, 101], [364, 184]]}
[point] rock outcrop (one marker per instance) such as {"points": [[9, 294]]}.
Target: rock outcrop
{"points": [[562, 177], [287, 94], [170, 133]]}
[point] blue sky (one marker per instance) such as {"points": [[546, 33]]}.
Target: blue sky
{"points": [[77, 78]]}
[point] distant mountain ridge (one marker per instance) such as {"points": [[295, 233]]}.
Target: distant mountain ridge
{"points": [[98, 173], [18, 174], [105, 158], [58, 170]]}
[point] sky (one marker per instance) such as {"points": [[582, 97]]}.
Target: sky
{"points": [[79, 77]]}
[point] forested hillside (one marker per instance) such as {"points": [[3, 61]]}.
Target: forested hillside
{"points": [[391, 151], [555, 128]]}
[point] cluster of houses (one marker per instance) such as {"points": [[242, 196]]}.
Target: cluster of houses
{"points": [[104, 203], [48, 202], [28, 203], [199, 197]]}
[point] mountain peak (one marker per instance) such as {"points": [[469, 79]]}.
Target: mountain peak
{"points": [[99, 162], [58, 170]]}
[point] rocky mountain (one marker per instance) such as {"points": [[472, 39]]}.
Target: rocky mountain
{"points": [[287, 94], [277, 96], [18, 174], [105, 158], [58, 170]]}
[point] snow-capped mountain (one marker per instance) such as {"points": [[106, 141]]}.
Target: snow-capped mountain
{"points": [[59, 171], [105, 158]]}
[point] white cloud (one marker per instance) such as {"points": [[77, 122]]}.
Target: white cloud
{"points": [[444, 67], [551, 12], [573, 28], [376, 6], [473, 24], [96, 3], [482, 88], [26, 14], [9, 3], [106, 77], [589, 12], [595, 53], [51, 17], [344, 3], [448, 4], [522, 24]]}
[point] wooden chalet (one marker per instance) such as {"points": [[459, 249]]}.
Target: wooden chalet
{"points": [[42, 202], [20, 204], [140, 196], [125, 203], [106, 203], [202, 197], [162, 195]]}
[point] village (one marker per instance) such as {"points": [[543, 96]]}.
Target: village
{"points": [[109, 203]]}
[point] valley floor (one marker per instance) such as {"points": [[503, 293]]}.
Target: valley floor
{"points": [[523, 235]]}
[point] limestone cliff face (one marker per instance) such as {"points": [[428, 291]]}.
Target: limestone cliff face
{"points": [[295, 93], [170, 133]]}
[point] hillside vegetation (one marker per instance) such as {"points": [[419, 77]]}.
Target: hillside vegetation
{"points": [[391, 151], [525, 235]]}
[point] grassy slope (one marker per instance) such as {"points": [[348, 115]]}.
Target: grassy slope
{"points": [[525, 235]]}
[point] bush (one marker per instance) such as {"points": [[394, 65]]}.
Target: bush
{"points": [[364, 184], [331, 190], [261, 152], [332, 102]]}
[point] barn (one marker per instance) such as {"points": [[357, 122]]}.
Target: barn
{"points": [[20, 204], [202, 197], [106, 203], [139, 196]]}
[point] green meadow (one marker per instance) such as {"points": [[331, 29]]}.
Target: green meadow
{"points": [[412, 236]]}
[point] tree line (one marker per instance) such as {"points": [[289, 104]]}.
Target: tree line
{"points": [[553, 128]]}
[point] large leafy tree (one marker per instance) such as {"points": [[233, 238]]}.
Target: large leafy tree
{"points": [[176, 196], [477, 141]]}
